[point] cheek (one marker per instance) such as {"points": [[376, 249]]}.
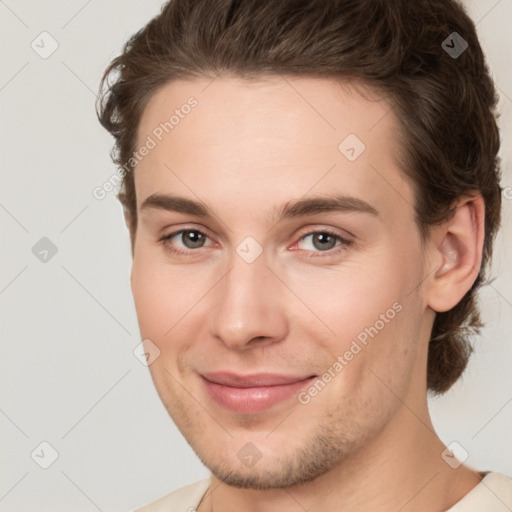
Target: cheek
{"points": [[348, 300], [366, 316], [157, 294], [166, 298]]}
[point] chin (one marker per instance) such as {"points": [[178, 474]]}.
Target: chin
{"points": [[274, 467]]}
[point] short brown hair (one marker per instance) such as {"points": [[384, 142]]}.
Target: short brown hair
{"points": [[445, 103]]}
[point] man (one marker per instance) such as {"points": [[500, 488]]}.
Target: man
{"points": [[312, 191]]}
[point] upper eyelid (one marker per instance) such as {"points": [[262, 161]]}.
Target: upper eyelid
{"points": [[332, 231]]}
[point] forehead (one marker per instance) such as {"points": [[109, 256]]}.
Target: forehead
{"points": [[274, 135]]}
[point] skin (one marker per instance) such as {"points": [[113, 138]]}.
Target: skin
{"points": [[366, 440]]}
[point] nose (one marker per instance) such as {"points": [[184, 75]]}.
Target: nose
{"points": [[247, 306]]}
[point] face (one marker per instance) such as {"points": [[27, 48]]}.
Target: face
{"points": [[285, 307]]}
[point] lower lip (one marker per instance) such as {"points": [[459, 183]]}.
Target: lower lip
{"points": [[253, 400]]}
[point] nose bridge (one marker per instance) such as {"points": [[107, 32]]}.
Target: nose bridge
{"points": [[247, 303]]}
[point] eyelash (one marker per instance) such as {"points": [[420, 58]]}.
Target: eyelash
{"points": [[331, 252]]}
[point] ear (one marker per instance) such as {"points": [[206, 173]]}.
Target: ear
{"points": [[127, 217], [127, 220], [456, 250]]}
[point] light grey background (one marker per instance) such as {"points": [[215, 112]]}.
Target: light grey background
{"points": [[69, 375]]}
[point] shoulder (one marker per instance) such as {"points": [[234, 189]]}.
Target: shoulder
{"points": [[184, 499], [492, 494]]}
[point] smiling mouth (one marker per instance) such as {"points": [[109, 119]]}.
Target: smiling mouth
{"points": [[250, 394]]}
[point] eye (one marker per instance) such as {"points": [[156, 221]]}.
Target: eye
{"points": [[189, 238], [324, 241], [320, 241]]}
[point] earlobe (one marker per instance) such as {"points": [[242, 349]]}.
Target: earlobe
{"points": [[459, 251]]}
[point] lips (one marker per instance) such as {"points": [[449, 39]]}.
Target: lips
{"points": [[254, 393]]}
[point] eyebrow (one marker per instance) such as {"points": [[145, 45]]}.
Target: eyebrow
{"points": [[291, 209]]}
